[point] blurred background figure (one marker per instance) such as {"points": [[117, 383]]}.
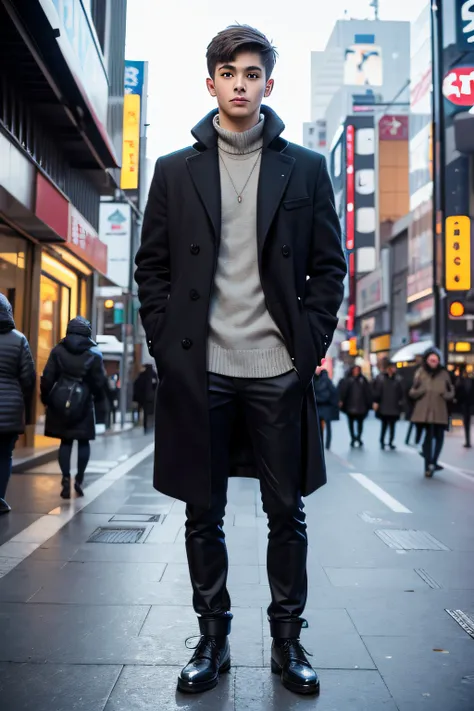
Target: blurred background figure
{"points": [[144, 390], [355, 400], [73, 378], [326, 399], [17, 384], [388, 401], [432, 390], [410, 404], [465, 402], [112, 390]]}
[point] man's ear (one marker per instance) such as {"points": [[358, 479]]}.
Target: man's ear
{"points": [[210, 87], [269, 87]]}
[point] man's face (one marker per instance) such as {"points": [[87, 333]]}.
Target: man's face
{"points": [[240, 86], [433, 360]]}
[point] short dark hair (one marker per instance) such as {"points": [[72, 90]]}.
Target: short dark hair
{"points": [[239, 38]]}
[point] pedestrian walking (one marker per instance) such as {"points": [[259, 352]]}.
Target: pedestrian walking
{"points": [[326, 399], [410, 404], [17, 384], [432, 390], [465, 401], [73, 381], [355, 400], [144, 389], [388, 402], [240, 275]]}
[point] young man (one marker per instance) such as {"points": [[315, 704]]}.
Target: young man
{"points": [[240, 276]]}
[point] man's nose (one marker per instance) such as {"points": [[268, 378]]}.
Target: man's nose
{"points": [[239, 85]]}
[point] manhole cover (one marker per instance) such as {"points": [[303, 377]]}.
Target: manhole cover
{"points": [[139, 518], [464, 620], [116, 535], [427, 578], [410, 540]]}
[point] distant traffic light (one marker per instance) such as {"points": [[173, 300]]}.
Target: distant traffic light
{"points": [[458, 253], [456, 309]]}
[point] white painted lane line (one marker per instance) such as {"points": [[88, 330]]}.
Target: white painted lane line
{"points": [[27, 541], [380, 493]]}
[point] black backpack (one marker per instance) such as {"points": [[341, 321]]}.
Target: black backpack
{"points": [[70, 396]]}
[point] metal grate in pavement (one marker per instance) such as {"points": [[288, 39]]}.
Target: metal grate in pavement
{"points": [[464, 620], [112, 534], [139, 518], [428, 579], [410, 540]]}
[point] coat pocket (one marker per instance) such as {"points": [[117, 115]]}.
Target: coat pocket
{"points": [[295, 203]]}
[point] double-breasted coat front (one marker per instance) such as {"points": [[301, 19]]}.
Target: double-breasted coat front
{"points": [[302, 267]]}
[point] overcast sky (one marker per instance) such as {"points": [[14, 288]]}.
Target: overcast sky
{"points": [[173, 35]]}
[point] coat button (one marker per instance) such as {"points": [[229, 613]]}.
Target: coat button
{"points": [[195, 249], [186, 343], [286, 251], [194, 295]]}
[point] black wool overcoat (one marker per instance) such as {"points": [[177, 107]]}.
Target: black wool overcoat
{"points": [[302, 267]]}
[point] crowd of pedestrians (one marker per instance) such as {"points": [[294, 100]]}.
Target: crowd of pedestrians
{"points": [[427, 403]]}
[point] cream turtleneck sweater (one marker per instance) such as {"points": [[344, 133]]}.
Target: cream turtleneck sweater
{"points": [[244, 341]]}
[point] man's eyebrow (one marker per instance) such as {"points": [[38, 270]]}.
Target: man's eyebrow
{"points": [[232, 68]]}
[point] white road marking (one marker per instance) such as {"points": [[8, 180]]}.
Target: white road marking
{"points": [[380, 493], [27, 541]]}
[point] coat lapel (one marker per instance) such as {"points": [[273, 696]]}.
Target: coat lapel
{"points": [[275, 173], [204, 169]]}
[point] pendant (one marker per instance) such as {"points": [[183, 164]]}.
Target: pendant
{"points": [[239, 198]]}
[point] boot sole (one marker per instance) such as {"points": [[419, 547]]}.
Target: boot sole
{"points": [[295, 688], [186, 688]]}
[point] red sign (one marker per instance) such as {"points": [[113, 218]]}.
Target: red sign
{"points": [[51, 206], [84, 241], [350, 190], [458, 86], [393, 128]]}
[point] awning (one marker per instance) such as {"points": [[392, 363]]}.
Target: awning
{"points": [[408, 353]]}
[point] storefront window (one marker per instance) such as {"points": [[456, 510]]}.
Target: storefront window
{"points": [[12, 274]]}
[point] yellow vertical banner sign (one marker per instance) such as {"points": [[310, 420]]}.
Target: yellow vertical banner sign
{"points": [[458, 253], [131, 142]]}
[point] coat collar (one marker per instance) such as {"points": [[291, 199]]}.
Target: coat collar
{"points": [[275, 171], [206, 136]]}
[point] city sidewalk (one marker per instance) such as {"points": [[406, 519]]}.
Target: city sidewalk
{"points": [[101, 626]]}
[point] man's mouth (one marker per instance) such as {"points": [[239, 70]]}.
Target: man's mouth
{"points": [[239, 100]]}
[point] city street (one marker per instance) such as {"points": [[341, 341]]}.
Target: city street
{"points": [[94, 626]]}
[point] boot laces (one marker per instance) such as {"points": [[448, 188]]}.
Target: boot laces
{"points": [[294, 650], [204, 647]]}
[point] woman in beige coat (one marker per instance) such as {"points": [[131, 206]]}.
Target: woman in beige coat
{"points": [[432, 390]]}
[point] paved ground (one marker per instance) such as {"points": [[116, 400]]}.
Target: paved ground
{"points": [[96, 626]]}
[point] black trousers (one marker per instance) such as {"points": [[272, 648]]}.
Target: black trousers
{"points": [[466, 418], [83, 456], [7, 445], [272, 410], [359, 421], [388, 424], [433, 443], [326, 425]]}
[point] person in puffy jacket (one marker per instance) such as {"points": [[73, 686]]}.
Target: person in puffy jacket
{"points": [[355, 399], [326, 399], [17, 384], [388, 402], [76, 358], [432, 390]]}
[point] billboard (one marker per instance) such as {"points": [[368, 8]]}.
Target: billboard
{"points": [[363, 65], [133, 90], [115, 228]]}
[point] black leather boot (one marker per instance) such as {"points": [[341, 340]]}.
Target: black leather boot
{"points": [[78, 485], [211, 656], [289, 659], [66, 487], [4, 507]]}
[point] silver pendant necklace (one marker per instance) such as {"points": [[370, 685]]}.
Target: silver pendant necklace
{"points": [[240, 194]]}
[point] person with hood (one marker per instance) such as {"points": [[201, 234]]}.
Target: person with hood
{"points": [[73, 381], [388, 401], [432, 390], [17, 384], [326, 400], [355, 399], [465, 401], [144, 389]]}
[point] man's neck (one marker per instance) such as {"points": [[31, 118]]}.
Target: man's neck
{"points": [[238, 125]]}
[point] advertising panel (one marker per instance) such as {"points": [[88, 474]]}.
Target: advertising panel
{"points": [[133, 89], [83, 240], [115, 228], [363, 65]]}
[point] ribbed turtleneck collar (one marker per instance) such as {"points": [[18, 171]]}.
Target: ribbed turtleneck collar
{"points": [[240, 143]]}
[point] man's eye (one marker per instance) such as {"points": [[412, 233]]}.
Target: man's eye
{"points": [[253, 76], [226, 75]]}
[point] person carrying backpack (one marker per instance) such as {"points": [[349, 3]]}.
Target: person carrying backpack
{"points": [[73, 380], [17, 384]]}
